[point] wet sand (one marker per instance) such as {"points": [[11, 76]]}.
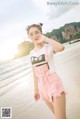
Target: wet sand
{"points": [[19, 93]]}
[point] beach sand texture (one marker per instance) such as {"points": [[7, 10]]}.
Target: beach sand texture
{"points": [[16, 86]]}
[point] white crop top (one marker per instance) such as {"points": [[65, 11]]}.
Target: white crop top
{"points": [[38, 57]]}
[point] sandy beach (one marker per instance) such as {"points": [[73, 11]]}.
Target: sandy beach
{"points": [[16, 86]]}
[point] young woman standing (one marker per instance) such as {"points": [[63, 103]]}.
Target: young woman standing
{"points": [[47, 83]]}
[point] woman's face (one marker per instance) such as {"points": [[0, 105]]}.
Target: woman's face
{"points": [[34, 34]]}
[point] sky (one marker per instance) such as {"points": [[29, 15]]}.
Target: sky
{"points": [[15, 15]]}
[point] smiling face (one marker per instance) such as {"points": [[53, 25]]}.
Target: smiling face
{"points": [[34, 34]]}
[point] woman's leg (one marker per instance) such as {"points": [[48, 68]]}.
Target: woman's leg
{"points": [[59, 104], [49, 104]]}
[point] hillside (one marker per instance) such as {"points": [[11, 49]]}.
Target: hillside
{"points": [[65, 33]]}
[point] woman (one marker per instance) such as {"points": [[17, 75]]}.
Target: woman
{"points": [[47, 84]]}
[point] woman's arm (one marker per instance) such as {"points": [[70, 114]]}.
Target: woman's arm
{"points": [[35, 81], [36, 92], [57, 47]]}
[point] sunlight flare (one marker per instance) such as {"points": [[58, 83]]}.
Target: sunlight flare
{"points": [[8, 51]]}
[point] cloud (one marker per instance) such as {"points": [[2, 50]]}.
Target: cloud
{"points": [[11, 10], [41, 5], [56, 8]]}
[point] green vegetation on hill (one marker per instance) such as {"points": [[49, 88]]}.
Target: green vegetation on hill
{"points": [[71, 31], [24, 49]]}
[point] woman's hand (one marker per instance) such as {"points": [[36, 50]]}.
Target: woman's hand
{"points": [[57, 47], [36, 95], [41, 39]]}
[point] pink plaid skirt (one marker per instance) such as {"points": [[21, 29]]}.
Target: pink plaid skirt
{"points": [[49, 83]]}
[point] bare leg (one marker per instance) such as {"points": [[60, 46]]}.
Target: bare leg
{"points": [[60, 107], [49, 104]]}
